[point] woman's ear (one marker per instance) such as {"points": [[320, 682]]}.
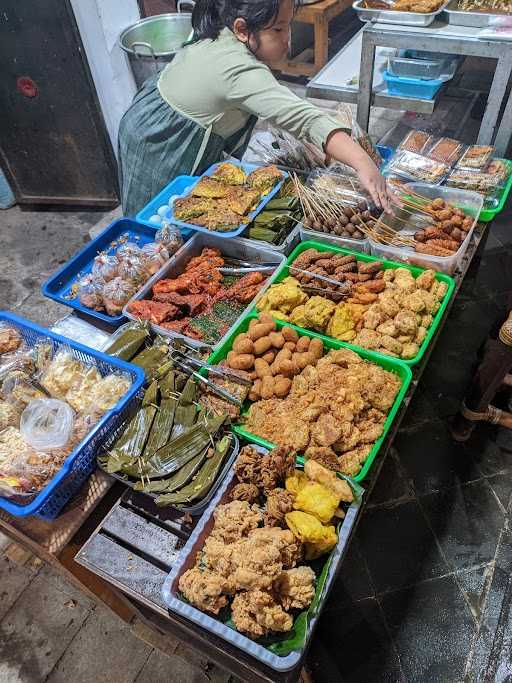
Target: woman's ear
{"points": [[240, 30]]}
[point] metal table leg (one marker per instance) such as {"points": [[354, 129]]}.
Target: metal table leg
{"points": [[496, 96], [365, 81], [505, 130]]}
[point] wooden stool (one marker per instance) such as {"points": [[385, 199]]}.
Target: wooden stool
{"points": [[319, 15], [492, 373]]}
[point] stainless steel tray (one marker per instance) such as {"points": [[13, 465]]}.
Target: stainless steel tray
{"points": [[246, 250], [473, 19], [385, 16]]}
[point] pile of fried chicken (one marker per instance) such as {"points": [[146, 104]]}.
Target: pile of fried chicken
{"points": [[223, 200], [176, 301], [251, 560], [334, 412]]}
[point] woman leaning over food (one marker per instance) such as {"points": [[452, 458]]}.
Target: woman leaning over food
{"points": [[207, 100]]}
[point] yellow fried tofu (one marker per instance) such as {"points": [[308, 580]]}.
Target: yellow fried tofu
{"points": [[230, 174], [317, 500], [318, 312], [318, 539], [296, 481], [341, 323]]}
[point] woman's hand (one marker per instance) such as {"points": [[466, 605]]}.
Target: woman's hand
{"points": [[375, 184]]}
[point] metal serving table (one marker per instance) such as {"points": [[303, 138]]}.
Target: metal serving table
{"points": [[117, 547], [438, 37]]}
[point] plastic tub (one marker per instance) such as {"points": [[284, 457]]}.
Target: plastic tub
{"points": [[59, 286], [187, 558], [361, 246], [235, 232], [286, 247], [386, 264], [471, 202], [246, 250], [81, 462], [399, 367], [489, 213], [403, 67], [412, 87], [198, 508]]}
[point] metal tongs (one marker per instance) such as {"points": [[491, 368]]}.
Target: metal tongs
{"points": [[235, 266], [211, 369], [188, 369], [345, 287]]}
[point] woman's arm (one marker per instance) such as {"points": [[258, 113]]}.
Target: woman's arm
{"points": [[341, 147]]}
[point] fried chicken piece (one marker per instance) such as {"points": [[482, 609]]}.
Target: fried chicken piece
{"points": [[350, 462], [230, 174], [209, 188], [192, 304], [290, 548], [248, 465], [326, 431], [218, 557], [234, 520], [245, 492], [279, 502], [324, 455], [295, 588], [204, 589], [256, 614], [257, 562]]}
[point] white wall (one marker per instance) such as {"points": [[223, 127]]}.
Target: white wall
{"points": [[100, 22]]}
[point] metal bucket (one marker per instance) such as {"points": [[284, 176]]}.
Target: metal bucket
{"points": [[152, 43]]}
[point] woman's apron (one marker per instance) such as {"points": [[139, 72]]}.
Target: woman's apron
{"points": [[156, 144]]}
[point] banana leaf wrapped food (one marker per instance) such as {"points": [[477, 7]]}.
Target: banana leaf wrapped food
{"points": [[128, 343], [164, 420]]}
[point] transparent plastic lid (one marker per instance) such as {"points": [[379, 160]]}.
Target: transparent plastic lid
{"points": [[415, 68]]}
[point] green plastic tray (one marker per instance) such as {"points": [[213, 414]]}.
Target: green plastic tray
{"points": [[415, 270], [487, 215], [391, 364]]}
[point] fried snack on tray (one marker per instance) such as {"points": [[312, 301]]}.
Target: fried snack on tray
{"points": [[256, 613], [295, 587], [265, 178], [209, 189], [204, 589], [229, 174], [190, 207], [279, 502], [234, 520], [242, 201]]}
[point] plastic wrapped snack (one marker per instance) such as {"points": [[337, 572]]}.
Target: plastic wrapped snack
{"points": [[128, 250], [417, 167], [170, 236], [476, 157], [415, 141], [62, 374], [105, 267], [47, 423], [18, 390], [488, 183], [90, 293], [107, 392], [446, 150], [79, 394], [116, 294], [10, 339], [155, 255], [9, 416], [134, 270]]}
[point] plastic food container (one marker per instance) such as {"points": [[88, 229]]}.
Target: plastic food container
{"points": [[415, 141], [412, 87], [198, 508], [236, 231], [470, 202], [361, 246], [389, 16], [495, 204], [286, 247], [445, 150], [386, 264], [476, 157], [187, 558], [246, 250], [81, 462], [60, 285], [403, 67], [399, 367], [417, 167]]}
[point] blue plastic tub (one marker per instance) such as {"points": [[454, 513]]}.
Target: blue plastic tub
{"points": [[60, 284], [248, 168], [176, 188], [79, 464], [412, 87]]}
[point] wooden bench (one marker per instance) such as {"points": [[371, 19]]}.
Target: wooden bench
{"points": [[319, 15]]}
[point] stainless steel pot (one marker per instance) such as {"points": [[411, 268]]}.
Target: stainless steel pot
{"points": [[152, 43]]}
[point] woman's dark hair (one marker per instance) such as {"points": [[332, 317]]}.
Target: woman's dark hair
{"points": [[211, 16]]}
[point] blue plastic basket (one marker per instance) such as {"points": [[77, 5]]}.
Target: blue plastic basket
{"points": [[176, 187], [59, 286], [412, 87], [80, 464], [248, 168]]}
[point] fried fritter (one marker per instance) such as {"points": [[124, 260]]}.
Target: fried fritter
{"points": [[279, 502], [295, 588], [323, 455], [210, 189], [247, 492], [242, 201], [257, 562], [229, 174], [351, 461], [265, 178], [248, 465], [256, 614], [204, 589], [234, 520], [290, 548], [190, 207]]}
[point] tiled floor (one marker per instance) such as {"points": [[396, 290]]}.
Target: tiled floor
{"points": [[425, 593]]}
